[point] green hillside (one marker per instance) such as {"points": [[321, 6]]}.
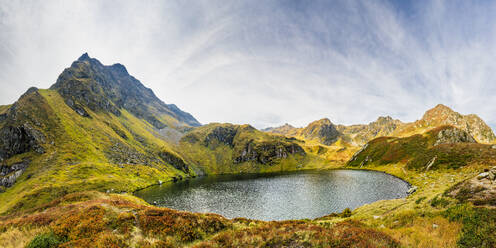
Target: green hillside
{"points": [[104, 152], [226, 148], [425, 151]]}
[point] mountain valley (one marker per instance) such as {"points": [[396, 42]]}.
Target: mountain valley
{"points": [[71, 157]]}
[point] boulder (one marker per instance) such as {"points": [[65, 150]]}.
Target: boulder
{"points": [[491, 176], [483, 175], [412, 190]]}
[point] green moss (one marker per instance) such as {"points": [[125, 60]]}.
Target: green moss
{"points": [[45, 240], [479, 225]]}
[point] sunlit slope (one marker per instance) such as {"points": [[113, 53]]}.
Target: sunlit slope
{"points": [[76, 153], [226, 148], [443, 147]]}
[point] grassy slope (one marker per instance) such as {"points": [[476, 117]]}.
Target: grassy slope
{"points": [[77, 161], [429, 218], [218, 158], [4, 108], [418, 150]]}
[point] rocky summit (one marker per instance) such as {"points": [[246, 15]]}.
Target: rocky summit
{"points": [[89, 84]]}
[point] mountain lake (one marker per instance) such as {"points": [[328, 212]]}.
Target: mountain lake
{"points": [[280, 196]]}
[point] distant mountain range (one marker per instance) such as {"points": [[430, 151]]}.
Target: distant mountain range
{"points": [[327, 133]]}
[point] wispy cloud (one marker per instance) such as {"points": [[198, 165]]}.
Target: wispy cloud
{"points": [[269, 62]]}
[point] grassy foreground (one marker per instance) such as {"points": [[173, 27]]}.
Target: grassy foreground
{"points": [[427, 218], [111, 220]]}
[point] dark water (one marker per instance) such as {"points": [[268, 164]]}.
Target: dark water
{"points": [[278, 197]]}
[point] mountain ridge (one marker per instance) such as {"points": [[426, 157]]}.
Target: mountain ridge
{"points": [[360, 134], [89, 83]]}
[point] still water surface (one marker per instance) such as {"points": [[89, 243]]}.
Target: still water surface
{"points": [[277, 196]]}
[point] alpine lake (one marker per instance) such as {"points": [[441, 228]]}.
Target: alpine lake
{"points": [[279, 196]]}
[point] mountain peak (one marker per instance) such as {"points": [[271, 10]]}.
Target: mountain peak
{"points": [[323, 121], [84, 57], [88, 84], [440, 111], [119, 68], [442, 107], [322, 130]]}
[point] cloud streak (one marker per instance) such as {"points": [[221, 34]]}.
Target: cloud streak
{"points": [[271, 63]]}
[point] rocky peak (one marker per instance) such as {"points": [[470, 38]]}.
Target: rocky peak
{"points": [[384, 119], [84, 57], [442, 115], [322, 130], [88, 84], [285, 129]]}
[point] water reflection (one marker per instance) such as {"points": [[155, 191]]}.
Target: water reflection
{"points": [[278, 196]]}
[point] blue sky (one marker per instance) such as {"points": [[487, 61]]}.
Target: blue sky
{"points": [[267, 62]]}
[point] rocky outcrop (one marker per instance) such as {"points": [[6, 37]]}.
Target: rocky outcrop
{"points": [[480, 190], [10, 173], [266, 153], [19, 139], [451, 135], [223, 135], [174, 160]]}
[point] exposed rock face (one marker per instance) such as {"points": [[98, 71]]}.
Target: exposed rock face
{"points": [[266, 153], [442, 115], [10, 173], [174, 160], [451, 135], [322, 130], [223, 135], [89, 84], [361, 134], [17, 140]]}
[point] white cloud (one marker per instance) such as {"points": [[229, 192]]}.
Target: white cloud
{"points": [[267, 63]]}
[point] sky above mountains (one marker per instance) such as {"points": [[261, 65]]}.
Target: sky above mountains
{"points": [[267, 62]]}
